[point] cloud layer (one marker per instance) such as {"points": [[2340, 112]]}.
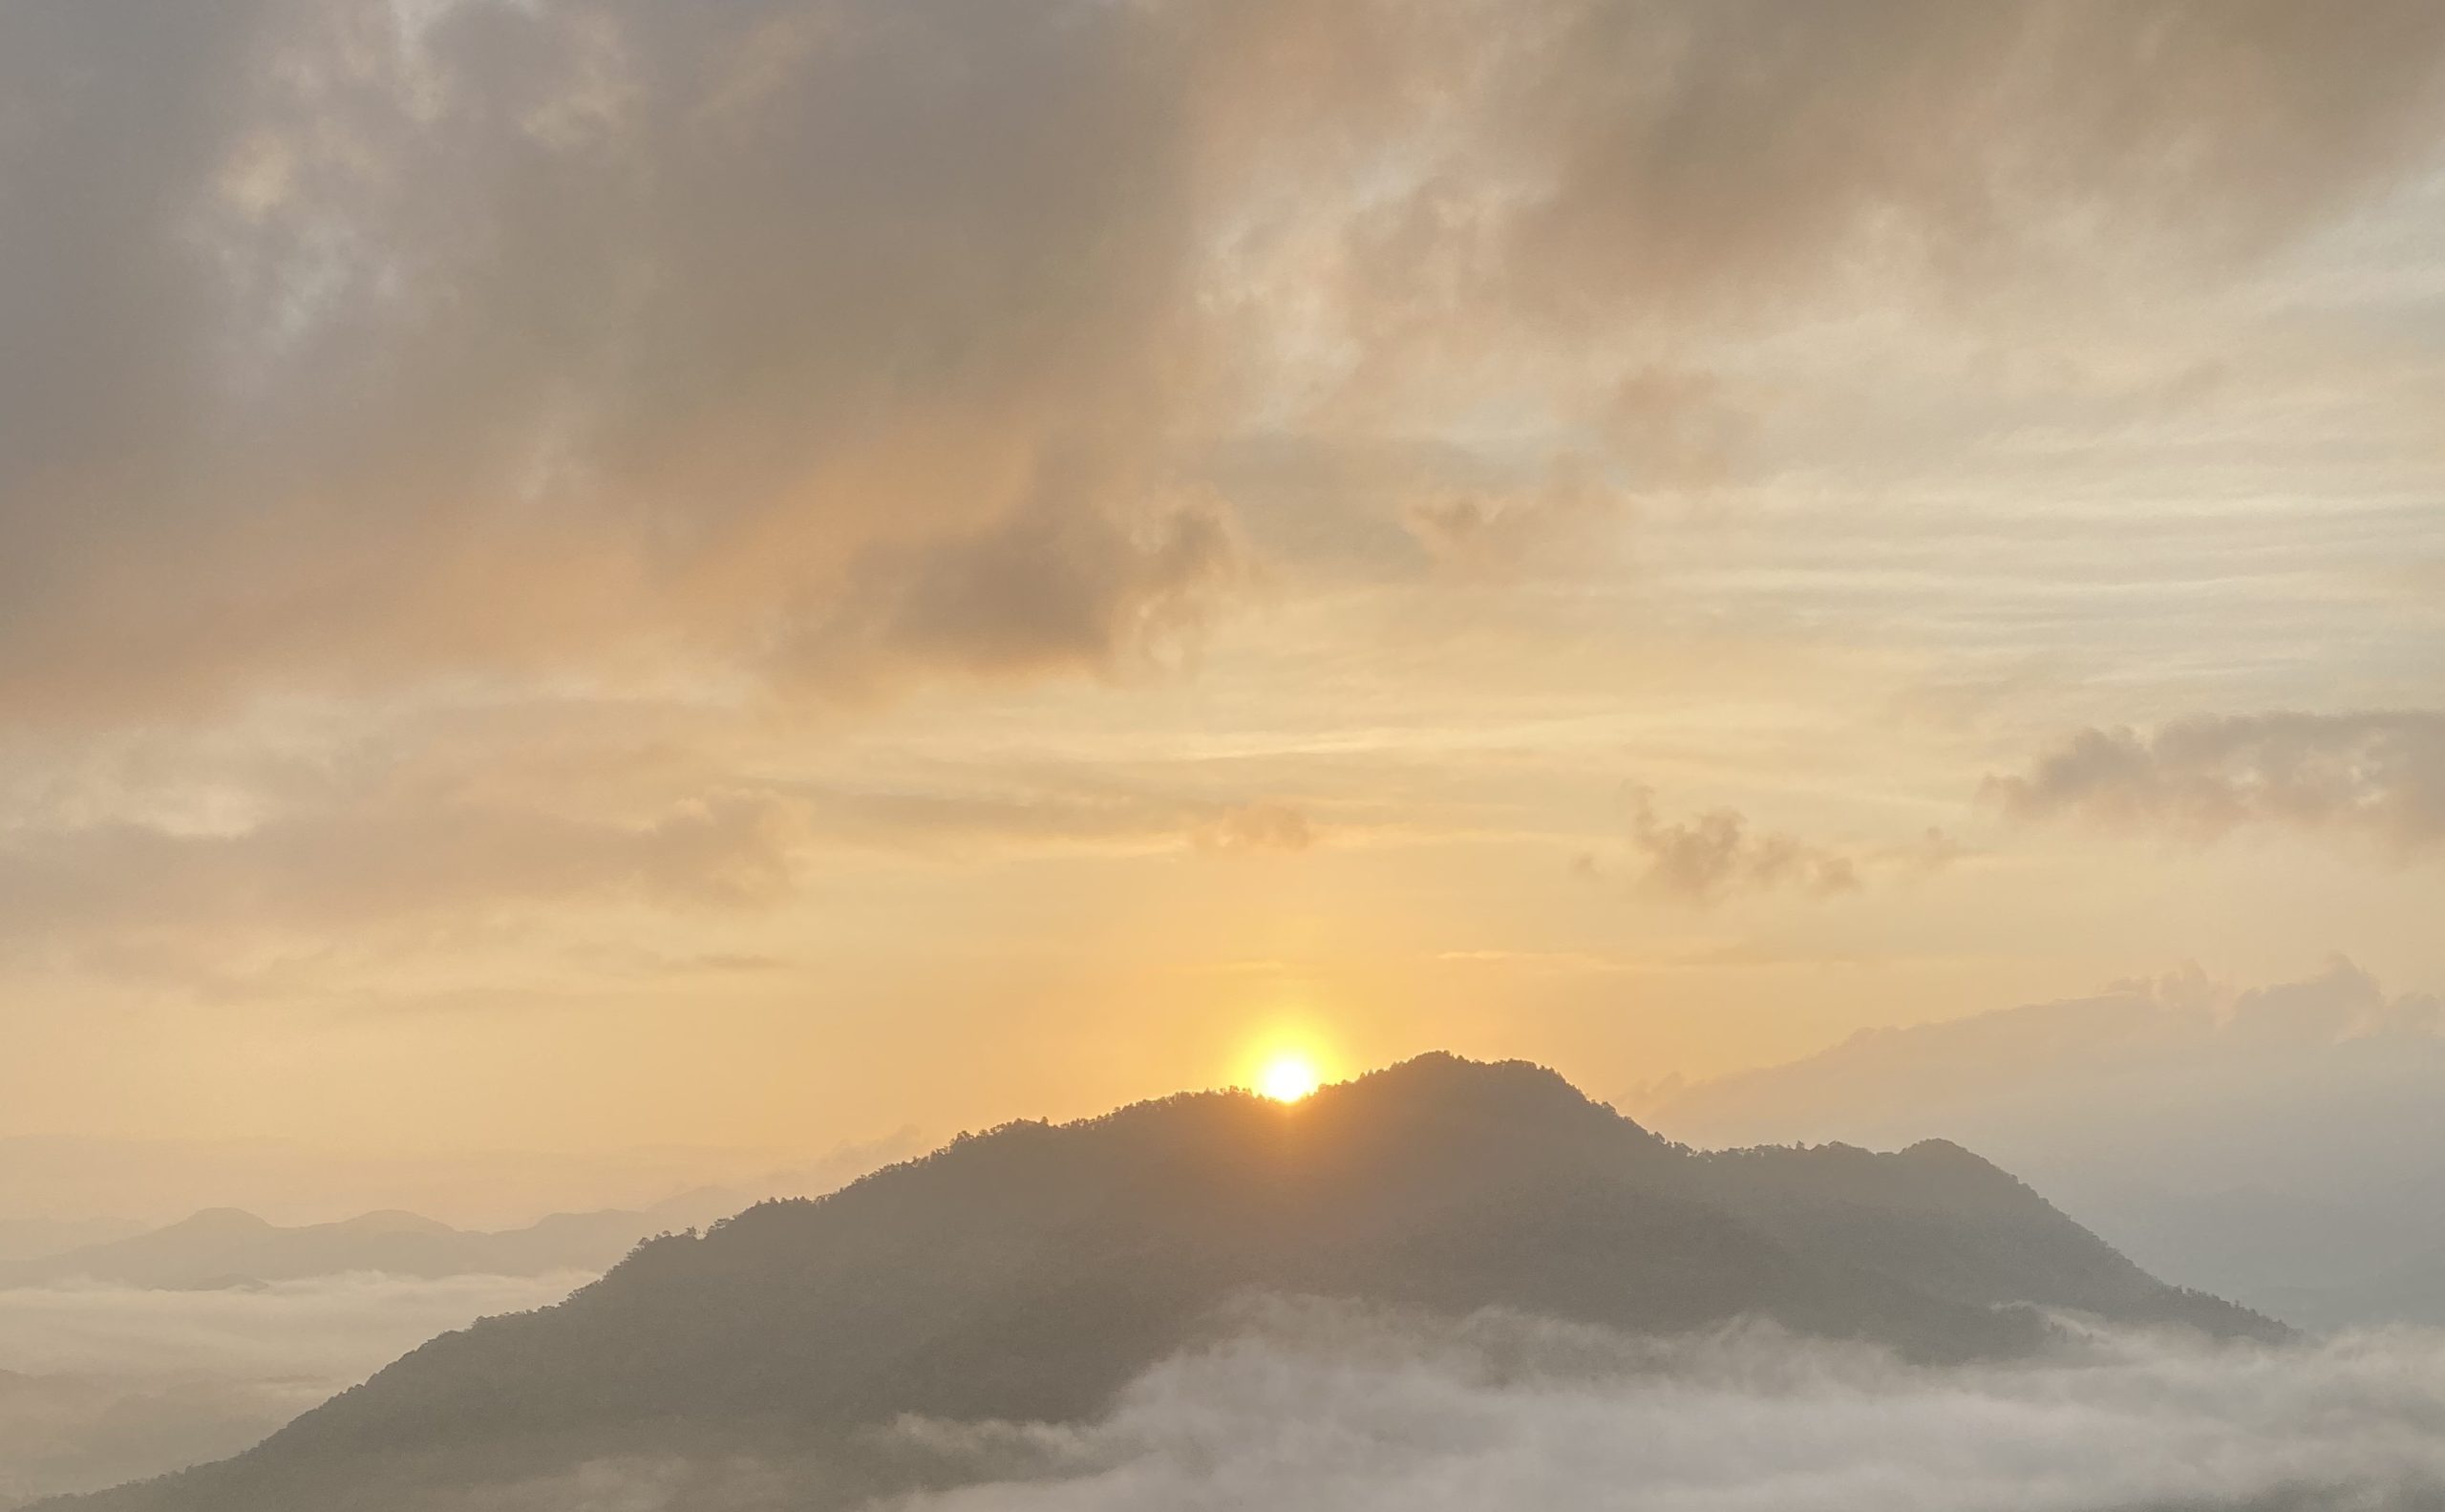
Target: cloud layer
{"points": [[1325, 1410], [100, 1384], [2377, 775], [1344, 1415], [830, 341]]}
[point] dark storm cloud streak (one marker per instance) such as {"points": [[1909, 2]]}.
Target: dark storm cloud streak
{"points": [[842, 343]]}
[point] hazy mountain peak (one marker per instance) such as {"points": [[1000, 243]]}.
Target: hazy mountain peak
{"points": [[221, 1220], [1518, 1084], [394, 1221], [1946, 1153]]}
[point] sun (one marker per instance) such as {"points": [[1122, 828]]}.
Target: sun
{"points": [[1288, 1077]]}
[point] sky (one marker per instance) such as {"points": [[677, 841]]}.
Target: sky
{"points": [[580, 575]]}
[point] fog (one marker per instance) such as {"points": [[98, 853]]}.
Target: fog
{"points": [[1322, 1408], [100, 1384], [1325, 1410]]}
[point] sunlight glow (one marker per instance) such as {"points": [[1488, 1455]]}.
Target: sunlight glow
{"points": [[1288, 1077]]}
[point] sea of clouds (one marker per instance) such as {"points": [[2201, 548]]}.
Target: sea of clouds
{"points": [[1343, 1412], [102, 1383], [1307, 1406]]}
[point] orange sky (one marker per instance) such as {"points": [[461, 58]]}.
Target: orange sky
{"points": [[594, 574]]}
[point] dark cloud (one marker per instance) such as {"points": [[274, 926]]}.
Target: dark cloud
{"points": [[1053, 586], [356, 341], [1707, 150], [2380, 776], [1719, 854], [849, 342]]}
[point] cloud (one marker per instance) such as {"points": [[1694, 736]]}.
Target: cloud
{"points": [[160, 862], [1561, 515], [1251, 827], [1670, 167], [365, 861], [1334, 1409], [101, 1384], [325, 1328], [1347, 1413], [160, 1181], [1049, 587], [832, 344], [65, 1434], [1051, 810], [349, 343], [1716, 855], [2379, 775]]}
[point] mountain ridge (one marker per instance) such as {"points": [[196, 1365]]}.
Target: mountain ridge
{"points": [[1029, 1272], [216, 1247]]}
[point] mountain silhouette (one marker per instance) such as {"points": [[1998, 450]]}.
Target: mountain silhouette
{"points": [[223, 1247], [1029, 1273], [2292, 1158]]}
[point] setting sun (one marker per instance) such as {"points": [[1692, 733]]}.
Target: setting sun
{"points": [[1287, 1078]]}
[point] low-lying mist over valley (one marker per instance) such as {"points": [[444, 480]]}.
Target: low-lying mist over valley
{"points": [[103, 1382], [1337, 1409]]}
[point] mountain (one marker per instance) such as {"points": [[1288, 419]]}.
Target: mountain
{"points": [[1029, 1273], [29, 1238], [2294, 1134], [225, 1247]]}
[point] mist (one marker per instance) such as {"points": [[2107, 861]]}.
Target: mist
{"points": [[100, 1384], [1336, 1411], [1307, 1406]]}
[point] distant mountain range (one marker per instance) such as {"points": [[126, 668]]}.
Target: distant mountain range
{"points": [[225, 1247], [2293, 1136], [30, 1238], [1029, 1273]]}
